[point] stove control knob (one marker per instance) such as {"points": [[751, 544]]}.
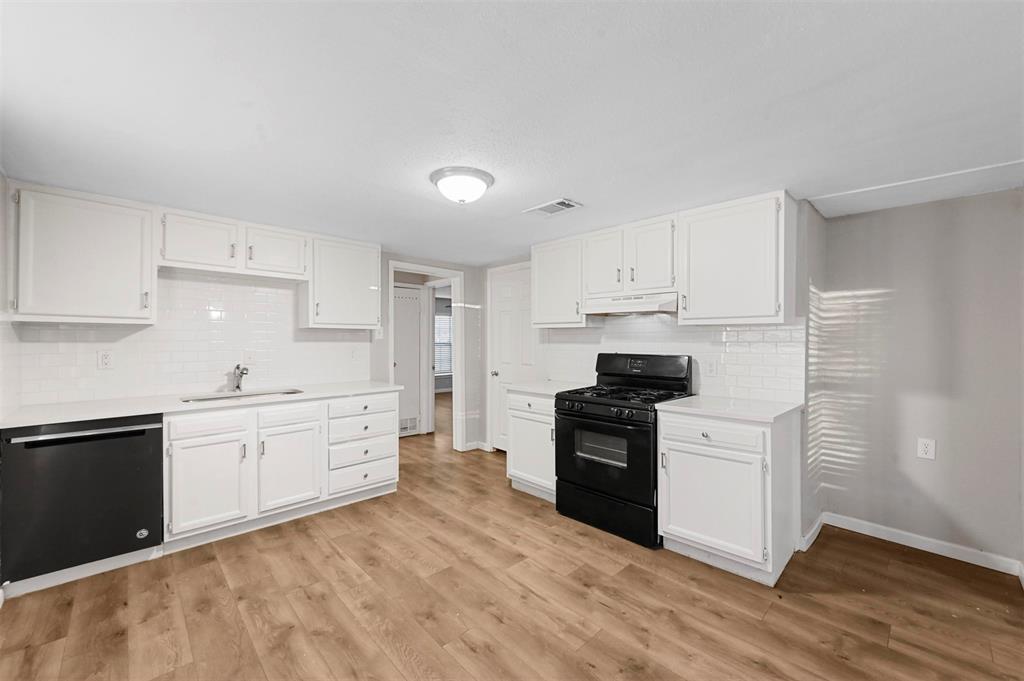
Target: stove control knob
{"points": [[579, 406], [616, 411], [629, 413]]}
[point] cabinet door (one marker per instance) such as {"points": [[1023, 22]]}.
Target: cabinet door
{"points": [[729, 261], [714, 498], [346, 285], [531, 449], [208, 482], [602, 263], [199, 242], [269, 250], [650, 256], [84, 259], [556, 284], [289, 465]]}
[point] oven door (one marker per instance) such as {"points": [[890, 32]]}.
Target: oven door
{"points": [[611, 457]]}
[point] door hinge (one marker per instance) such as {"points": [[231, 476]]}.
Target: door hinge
{"points": [[778, 205], [764, 553], [673, 280], [163, 220], [778, 308], [169, 527], [682, 301], [764, 467], [16, 197]]}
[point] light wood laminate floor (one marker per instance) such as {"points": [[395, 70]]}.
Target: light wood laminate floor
{"points": [[458, 577]]}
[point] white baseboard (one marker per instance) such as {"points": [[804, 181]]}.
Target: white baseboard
{"points": [[992, 561], [808, 539]]}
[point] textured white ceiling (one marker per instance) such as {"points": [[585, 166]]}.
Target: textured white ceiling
{"points": [[331, 116]]}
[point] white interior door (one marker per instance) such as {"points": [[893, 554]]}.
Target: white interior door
{"points": [[511, 344], [409, 338]]}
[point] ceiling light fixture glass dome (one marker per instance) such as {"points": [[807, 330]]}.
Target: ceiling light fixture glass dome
{"points": [[461, 184]]}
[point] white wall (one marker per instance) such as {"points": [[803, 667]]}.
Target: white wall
{"points": [[206, 323], [10, 368], [474, 292], [920, 335], [755, 362]]}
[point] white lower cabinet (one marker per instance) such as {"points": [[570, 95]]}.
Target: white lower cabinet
{"points": [[289, 465], [234, 466], [207, 482], [530, 458], [726, 491]]}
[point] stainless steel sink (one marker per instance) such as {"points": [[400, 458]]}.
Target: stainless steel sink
{"points": [[210, 397]]}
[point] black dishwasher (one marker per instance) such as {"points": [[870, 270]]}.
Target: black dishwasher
{"points": [[72, 493]]}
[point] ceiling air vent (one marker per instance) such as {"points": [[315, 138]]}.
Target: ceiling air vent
{"points": [[554, 207]]}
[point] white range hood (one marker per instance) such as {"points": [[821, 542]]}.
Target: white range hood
{"points": [[631, 304]]}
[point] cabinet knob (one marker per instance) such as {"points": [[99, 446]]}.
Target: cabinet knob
{"points": [[494, 373], [365, 476], [529, 405], [365, 452], [705, 435], [365, 407], [366, 427]]}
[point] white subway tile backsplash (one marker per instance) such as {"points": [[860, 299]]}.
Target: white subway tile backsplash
{"points": [[207, 323], [748, 357]]}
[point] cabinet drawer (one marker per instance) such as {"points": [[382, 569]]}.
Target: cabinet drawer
{"points": [[714, 433], [356, 427], [286, 416], [366, 404], [363, 451], [182, 427], [532, 403], [363, 475]]}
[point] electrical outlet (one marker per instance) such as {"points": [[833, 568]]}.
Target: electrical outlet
{"points": [[925, 448], [104, 359], [709, 368]]}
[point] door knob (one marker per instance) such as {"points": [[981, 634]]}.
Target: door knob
{"points": [[494, 373]]}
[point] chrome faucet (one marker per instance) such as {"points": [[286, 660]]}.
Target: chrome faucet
{"points": [[240, 373]]}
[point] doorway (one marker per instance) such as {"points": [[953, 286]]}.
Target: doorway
{"points": [[426, 349], [512, 344]]}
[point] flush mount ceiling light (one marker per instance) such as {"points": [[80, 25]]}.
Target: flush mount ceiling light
{"points": [[461, 184]]}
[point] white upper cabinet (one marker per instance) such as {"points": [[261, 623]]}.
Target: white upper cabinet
{"points": [[197, 241], [650, 256], [602, 263], [556, 286], [344, 291], [737, 262], [82, 258], [275, 252]]}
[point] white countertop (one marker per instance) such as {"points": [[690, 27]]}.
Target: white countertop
{"points": [[725, 407], [36, 414], [543, 387]]}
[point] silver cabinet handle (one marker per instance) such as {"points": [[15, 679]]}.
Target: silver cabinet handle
{"points": [[317, 313], [145, 300], [233, 247], [263, 448], [577, 307], [494, 373], [704, 434], [552, 434], [250, 253], [529, 405], [632, 274], [663, 460], [243, 451], [682, 301], [618, 275]]}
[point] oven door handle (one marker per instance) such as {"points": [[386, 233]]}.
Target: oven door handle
{"points": [[597, 419], [600, 459]]}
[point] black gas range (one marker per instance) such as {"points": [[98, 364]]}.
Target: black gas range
{"points": [[606, 443]]}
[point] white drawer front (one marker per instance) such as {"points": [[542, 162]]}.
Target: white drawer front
{"points": [[270, 417], [354, 427], [366, 404], [363, 475], [713, 433], [363, 451], [183, 427], [532, 403]]}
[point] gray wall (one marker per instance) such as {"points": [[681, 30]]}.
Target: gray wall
{"points": [[810, 282], [920, 324], [474, 283]]}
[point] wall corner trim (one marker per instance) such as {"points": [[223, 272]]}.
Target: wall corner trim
{"points": [[808, 539], [943, 548]]}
